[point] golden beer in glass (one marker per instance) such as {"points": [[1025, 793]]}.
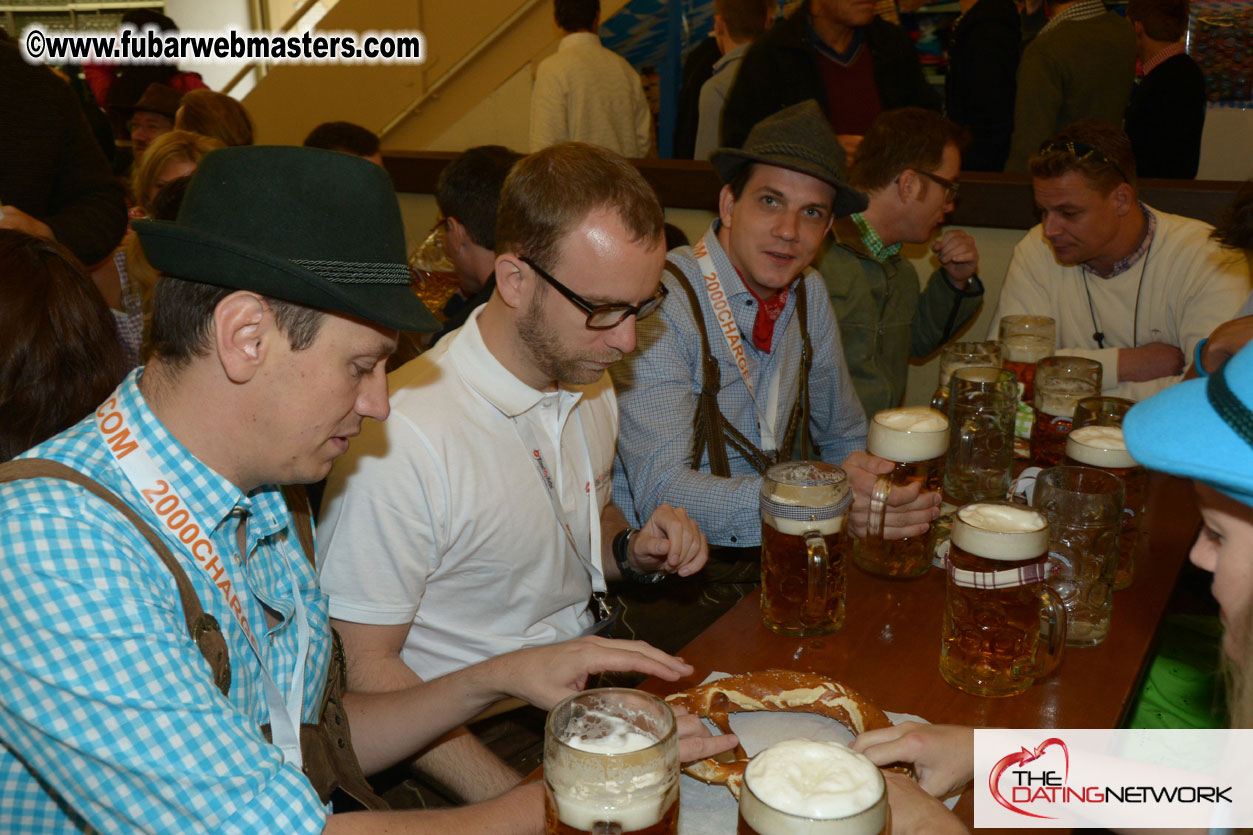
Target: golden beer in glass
{"points": [[916, 438], [1060, 383], [803, 787], [1025, 340], [1003, 626], [1108, 451], [611, 765], [803, 507]]}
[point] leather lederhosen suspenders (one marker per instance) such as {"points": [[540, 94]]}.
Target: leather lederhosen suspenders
{"points": [[712, 432], [326, 748]]}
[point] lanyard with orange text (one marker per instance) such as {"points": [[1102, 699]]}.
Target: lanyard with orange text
{"points": [[767, 414], [124, 439]]}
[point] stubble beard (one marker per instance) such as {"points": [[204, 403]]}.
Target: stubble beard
{"points": [[549, 355]]}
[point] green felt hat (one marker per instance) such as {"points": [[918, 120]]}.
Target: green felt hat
{"points": [[319, 228], [800, 138]]}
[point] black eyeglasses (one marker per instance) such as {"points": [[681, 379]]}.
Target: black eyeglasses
{"points": [[1081, 151], [952, 188], [602, 317]]}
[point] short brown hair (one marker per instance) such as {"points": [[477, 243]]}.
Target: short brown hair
{"points": [[1236, 228], [909, 137], [182, 320], [1096, 149], [576, 15], [744, 19], [62, 355], [217, 115], [1163, 20], [549, 192]]}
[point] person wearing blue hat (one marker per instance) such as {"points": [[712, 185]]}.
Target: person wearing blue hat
{"points": [[168, 660]]}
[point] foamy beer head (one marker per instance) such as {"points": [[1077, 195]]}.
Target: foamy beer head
{"points": [[1001, 531], [802, 496], [957, 355], [611, 755], [1099, 446], [912, 433], [801, 786]]}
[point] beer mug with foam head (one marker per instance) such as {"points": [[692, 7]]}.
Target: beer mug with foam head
{"points": [[611, 765], [816, 788], [1003, 626], [803, 507], [1060, 383], [1084, 509], [916, 438], [1096, 441], [1025, 340], [981, 428], [957, 355]]}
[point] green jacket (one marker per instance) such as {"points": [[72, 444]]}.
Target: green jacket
{"points": [[1080, 68], [884, 316]]}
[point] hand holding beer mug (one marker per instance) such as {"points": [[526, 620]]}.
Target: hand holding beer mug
{"points": [[916, 438], [997, 601], [1060, 383], [803, 507], [957, 355], [818, 788], [611, 765], [1096, 441], [1084, 509]]}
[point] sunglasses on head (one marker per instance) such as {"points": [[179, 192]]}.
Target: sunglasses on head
{"points": [[1081, 151]]}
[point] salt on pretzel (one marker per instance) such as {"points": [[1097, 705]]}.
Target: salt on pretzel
{"points": [[778, 690]]}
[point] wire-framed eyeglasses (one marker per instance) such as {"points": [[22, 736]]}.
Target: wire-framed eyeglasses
{"points": [[602, 317]]}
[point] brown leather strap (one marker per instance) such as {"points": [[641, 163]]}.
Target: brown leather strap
{"points": [[297, 498], [202, 626]]}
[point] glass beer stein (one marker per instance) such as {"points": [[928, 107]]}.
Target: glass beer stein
{"points": [[1060, 383], [1084, 509], [816, 788], [1099, 443], [803, 507], [1025, 340], [981, 428], [611, 765], [1003, 626], [916, 438], [957, 355]]}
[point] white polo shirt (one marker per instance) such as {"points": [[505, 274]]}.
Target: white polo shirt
{"points": [[440, 517]]}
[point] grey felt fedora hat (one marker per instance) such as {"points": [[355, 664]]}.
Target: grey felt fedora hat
{"points": [[319, 228], [800, 138]]}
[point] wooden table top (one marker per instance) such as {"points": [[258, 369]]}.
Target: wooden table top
{"points": [[889, 646]]}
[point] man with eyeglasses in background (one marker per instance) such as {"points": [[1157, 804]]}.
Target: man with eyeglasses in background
{"points": [[1132, 287], [908, 164], [478, 519]]}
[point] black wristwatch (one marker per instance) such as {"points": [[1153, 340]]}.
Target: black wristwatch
{"points": [[620, 543]]}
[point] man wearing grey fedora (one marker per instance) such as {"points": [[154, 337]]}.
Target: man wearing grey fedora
{"points": [[169, 664], [743, 365]]}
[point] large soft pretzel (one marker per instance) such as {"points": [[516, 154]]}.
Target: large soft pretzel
{"points": [[771, 690]]}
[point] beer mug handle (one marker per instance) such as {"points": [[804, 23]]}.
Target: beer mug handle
{"points": [[1052, 642], [606, 828], [878, 506], [817, 562]]}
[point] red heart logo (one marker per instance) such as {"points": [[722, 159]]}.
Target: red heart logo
{"points": [[1023, 757]]}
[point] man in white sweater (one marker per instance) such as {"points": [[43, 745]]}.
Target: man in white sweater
{"points": [[586, 93], [1129, 286]]}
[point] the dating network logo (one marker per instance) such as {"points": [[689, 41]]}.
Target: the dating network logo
{"points": [[1025, 778]]}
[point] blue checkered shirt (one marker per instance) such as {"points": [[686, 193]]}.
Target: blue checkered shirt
{"points": [[659, 384], [109, 717]]}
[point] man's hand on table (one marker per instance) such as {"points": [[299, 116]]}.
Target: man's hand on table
{"points": [[942, 755], [913, 810], [670, 542], [910, 511], [1226, 340]]}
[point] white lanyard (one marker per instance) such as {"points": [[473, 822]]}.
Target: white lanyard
{"points": [[123, 438], [590, 561], [767, 418]]}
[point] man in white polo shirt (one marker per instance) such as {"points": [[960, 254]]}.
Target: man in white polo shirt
{"points": [[478, 519]]}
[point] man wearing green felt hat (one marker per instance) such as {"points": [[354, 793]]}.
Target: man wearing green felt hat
{"points": [[169, 661]]}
